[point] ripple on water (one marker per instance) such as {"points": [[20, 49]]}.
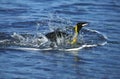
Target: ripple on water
{"points": [[100, 62]]}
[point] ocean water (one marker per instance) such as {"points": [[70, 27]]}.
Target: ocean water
{"points": [[42, 16]]}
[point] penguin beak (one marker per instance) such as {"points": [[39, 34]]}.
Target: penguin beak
{"points": [[85, 24]]}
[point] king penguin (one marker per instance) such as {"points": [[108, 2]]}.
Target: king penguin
{"points": [[53, 36]]}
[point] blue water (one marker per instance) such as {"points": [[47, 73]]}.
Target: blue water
{"points": [[32, 16]]}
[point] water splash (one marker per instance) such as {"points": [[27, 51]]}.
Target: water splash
{"points": [[87, 38], [56, 22]]}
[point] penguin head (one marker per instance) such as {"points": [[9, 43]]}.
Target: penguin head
{"points": [[82, 24], [79, 25], [77, 29]]}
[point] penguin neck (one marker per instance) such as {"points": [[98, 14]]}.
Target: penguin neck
{"points": [[74, 39], [75, 35]]}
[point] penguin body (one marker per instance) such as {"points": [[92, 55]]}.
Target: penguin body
{"points": [[58, 36]]}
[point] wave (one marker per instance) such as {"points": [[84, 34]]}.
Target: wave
{"points": [[88, 38], [38, 40]]}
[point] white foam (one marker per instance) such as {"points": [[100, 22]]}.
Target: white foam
{"points": [[2, 41], [30, 49], [98, 33], [47, 49], [44, 39]]}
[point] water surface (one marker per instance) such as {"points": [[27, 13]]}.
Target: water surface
{"points": [[24, 16]]}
